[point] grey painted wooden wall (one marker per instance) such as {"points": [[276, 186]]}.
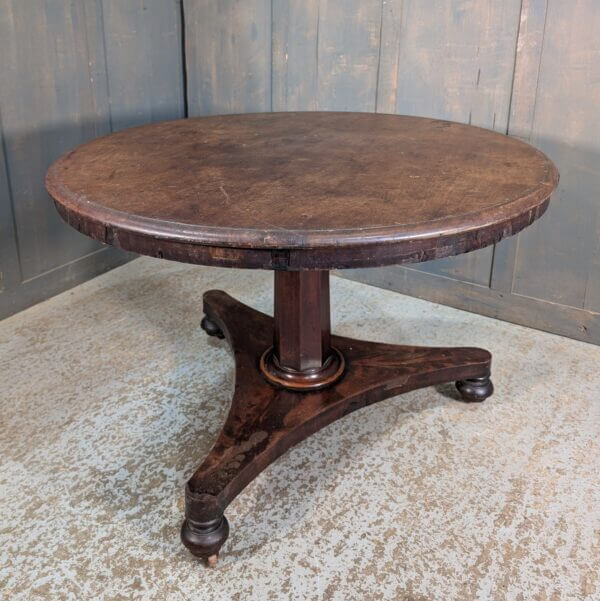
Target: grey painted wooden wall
{"points": [[529, 68], [70, 71]]}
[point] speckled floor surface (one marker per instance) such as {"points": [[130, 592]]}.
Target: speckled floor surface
{"points": [[111, 394]]}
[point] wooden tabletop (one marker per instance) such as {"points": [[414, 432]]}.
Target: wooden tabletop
{"points": [[302, 190]]}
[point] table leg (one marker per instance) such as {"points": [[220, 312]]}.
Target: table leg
{"points": [[286, 389]]}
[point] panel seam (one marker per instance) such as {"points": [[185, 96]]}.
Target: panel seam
{"points": [[11, 199], [184, 73]]}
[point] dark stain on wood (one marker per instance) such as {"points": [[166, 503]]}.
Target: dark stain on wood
{"points": [[265, 420], [334, 190]]}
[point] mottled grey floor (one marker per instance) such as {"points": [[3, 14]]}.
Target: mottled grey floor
{"points": [[111, 394]]}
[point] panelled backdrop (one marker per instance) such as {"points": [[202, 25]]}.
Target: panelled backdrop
{"points": [[72, 70]]}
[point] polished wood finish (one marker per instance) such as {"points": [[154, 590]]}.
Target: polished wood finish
{"points": [[301, 357], [302, 190], [302, 322], [475, 389], [302, 193], [264, 420]]}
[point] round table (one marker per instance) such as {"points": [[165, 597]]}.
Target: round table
{"points": [[301, 194]]}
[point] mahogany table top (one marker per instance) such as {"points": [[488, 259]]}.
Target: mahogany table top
{"points": [[302, 190]]}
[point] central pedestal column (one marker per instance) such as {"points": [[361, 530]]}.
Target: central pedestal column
{"points": [[302, 357]]}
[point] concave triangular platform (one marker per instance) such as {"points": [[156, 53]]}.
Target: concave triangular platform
{"points": [[264, 421]]}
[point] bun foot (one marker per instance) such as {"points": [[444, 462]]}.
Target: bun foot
{"points": [[211, 328], [475, 390], [205, 528], [205, 539]]}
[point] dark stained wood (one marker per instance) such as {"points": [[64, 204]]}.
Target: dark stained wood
{"points": [[301, 357], [297, 259], [526, 73], [475, 390], [211, 328], [549, 277], [264, 421], [302, 190], [302, 328], [455, 61]]}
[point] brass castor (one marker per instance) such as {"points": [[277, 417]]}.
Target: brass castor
{"points": [[211, 328], [211, 561], [475, 390]]}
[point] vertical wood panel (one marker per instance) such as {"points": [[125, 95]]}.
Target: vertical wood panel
{"points": [[348, 54], [522, 108], [456, 62], [474, 267], [10, 271], [527, 67], [294, 63], [228, 53], [143, 61], [592, 294], [557, 257], [454, 59]]}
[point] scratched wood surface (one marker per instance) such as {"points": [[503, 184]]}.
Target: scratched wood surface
{"points": [[238, 185], [71, 71]]}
